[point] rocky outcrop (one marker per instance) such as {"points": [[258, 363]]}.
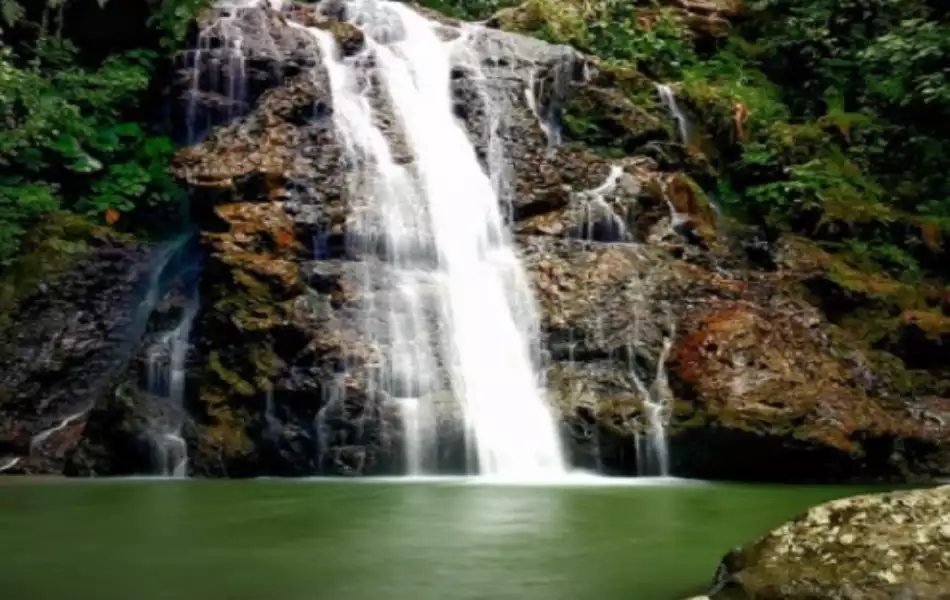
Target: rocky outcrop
{"points": [[139, 424], [69, 307], [701, 18], [770, 387], [642, 299], [881, 547], [650, 314]]}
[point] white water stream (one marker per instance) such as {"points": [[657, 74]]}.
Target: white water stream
{"points": [[166, 379], [668, 97], [460, 305], [44, 435], [9, 464]]}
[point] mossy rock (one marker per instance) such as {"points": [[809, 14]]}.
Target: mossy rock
{"points": [[618, 108], [880, 547], [839, 286], [561, 20], [52, 247]]}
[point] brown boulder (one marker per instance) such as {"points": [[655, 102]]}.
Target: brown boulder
{"points": [[879, 547], [768, 386]]}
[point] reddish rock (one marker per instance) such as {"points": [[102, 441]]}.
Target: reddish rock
{"points": [[766, 382]]}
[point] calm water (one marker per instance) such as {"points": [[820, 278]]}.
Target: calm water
{"points": [[314, 540]]}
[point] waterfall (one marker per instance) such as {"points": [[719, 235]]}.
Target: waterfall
{"points": [[174, 283], [653, 453], [457, 304], [601, 222], [166, 379], [668, 97], [414, 435]]}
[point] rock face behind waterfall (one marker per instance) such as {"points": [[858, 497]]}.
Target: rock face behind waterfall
{"points": [[884, 547], [642, 299], [651, 312]]}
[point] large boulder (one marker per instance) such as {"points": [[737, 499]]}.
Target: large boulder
{"points": [[893, 546], [780, 395], [69, 313]]}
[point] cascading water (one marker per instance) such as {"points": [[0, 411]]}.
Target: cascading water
{"points": [[653, 453], [203, 81], [459, 304], [166, 380], [601, 222], [668, 97], [685, 129], [167, 313]]}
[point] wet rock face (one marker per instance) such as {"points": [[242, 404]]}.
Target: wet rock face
{"points": [[882, 547], [236, 55], [139, 426], [606, 313], [769, 376], [64, 343], [642, 302], [647, 315]]}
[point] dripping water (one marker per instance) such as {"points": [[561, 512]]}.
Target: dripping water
{"points": [[668, 97], [41, 437], [166, 381], [218, 69], [175, 280], [601, 222], [652, 446]]}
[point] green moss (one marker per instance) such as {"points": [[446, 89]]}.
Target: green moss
{"points": [[871, 285], [605, 118], [559, 21], [266, 364], [906, 382], [54, 245], [233, 380]]}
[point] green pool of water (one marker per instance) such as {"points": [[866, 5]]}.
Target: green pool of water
{"points": [[318, 540]]}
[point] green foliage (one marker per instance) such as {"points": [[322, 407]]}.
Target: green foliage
{"points": [[663, 50], [69, 139], [884, 63], [173, 18], [470, 10], [880, 255]]}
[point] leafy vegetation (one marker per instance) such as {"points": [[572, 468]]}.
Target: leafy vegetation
{"points": [[470, 10], [825, 117], [73, 136]]}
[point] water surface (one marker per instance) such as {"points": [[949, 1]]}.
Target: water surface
{"points": [[333, 540]]}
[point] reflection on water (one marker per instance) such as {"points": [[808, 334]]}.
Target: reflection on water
{"points": [[446, 540], [498, 513]]}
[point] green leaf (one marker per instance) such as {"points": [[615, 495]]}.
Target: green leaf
{"points": [[86, 164]]}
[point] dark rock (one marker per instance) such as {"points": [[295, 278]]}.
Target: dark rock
{"points": [[67, 331]]}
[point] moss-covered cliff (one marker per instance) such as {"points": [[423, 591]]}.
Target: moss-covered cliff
{"points": [[755, 245]]}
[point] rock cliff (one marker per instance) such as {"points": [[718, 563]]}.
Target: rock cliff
{"points": [[647, 297]]}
